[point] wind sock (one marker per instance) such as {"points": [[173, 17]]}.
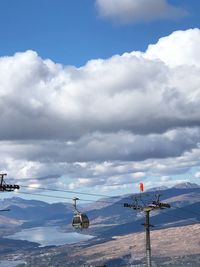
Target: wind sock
{"points": [[141, 187]]}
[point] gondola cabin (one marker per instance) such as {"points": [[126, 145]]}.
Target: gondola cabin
{"points": [[80, 221]]}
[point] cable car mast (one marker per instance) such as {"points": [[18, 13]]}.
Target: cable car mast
{"points": [[4, 187], [141, 205]]}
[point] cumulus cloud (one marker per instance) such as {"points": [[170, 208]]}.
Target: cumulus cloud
{"points": [[44, 100], [131, 114], [177, 49], [131, 11]]}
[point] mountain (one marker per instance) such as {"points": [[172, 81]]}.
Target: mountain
{"points": [[107, 216], [157, 189], [171, 247], [30, 213], [129, 250], [119, 233], [114, 219], [186, 185]]}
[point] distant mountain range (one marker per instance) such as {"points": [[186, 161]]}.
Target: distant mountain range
{"points": [[31, 213], [108, 217], [180, 185], [117, 220], [186, 185]]}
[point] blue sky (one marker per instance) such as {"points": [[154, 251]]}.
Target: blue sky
{"points": [[72, 32], [88, 103]]}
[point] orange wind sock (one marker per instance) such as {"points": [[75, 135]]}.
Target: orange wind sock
{"points": [[141, 187]]}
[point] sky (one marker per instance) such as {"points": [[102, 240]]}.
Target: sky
{"points": [[99, 95]]}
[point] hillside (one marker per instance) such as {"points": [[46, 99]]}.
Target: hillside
{"points": [[118, 231], [165, 243], [108, 217], [114, 219], [127, 250], [31, 213]]}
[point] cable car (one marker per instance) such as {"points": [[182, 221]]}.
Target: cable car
{"points": [[80, 220]]}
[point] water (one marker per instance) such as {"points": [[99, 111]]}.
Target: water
{"points": [[47, 236], [10, 263]]}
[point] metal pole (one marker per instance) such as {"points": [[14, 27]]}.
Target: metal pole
{"points": [[147, 208], [148, 244]]}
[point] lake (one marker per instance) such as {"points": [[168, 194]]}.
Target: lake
{"points": [[7, 263], [49, 236]]}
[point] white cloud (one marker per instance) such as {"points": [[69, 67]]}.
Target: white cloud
{"points": [[47, 101], [178, 49], [133, 114], [132, 11], [197, 175], [165, 179]]}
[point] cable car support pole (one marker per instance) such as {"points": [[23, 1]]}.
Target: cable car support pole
{"points": [[140, 205], [148, 243]]}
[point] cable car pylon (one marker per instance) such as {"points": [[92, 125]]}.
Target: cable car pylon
{"points": [[4, 187], [140, 204]]}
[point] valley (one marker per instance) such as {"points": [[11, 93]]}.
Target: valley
{"points": [[118, 234]]}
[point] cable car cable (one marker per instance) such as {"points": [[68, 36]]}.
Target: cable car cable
{"points": [[77, 192], [68, 191], [87, 200], [67, 198], [90, 194], [43, 195]]}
